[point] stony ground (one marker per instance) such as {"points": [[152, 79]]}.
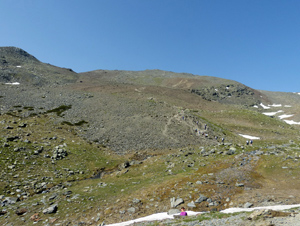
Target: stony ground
{"points": [[80, 149]]}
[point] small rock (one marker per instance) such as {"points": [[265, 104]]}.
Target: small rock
{"points": [[248, 205], [131, 210], [176, 202], [191, 204], [173, 211], [21, 211], [202, 198], [51, 209]]}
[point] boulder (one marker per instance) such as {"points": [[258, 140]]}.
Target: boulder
{"points": [[176, 202], [173, 211], [51, 209], [21, 211], [248, 205], [131, 210], [201, 198], [191, 204], [10, 200]]}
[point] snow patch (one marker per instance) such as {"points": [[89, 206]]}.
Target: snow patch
{"points": [[153, 217], [284, 116], [272, 113], [19, 66], [249, 137], [12, 83], [275, 105], [279, 207], [163, 216], [287, 106], [264, 106], [255, 106], [292, 122]]}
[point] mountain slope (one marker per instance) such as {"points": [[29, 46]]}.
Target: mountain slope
{"points": [[116, 145], [138, 110], [19, 66]]}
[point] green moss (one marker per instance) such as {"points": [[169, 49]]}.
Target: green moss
{"points": [[29, 108], [60, 109], [80, 123]]}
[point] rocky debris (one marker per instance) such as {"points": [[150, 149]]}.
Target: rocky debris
{"points": [[231, 94], [136, 201], [50, 209], [10, 201], [59, 152], [267, 214]]}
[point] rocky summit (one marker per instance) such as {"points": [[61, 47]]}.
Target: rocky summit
{"points": [[105, 146]]}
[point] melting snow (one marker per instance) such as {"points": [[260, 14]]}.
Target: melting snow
{"points": [[275, 105], [270, 113], [284, 116], [162, 216], [292, 122], [153, 217], [12, 83], [279, 207], [264, 106], [249, 137]]}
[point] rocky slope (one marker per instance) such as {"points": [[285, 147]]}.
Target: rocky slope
{"points": [[74, 147]]}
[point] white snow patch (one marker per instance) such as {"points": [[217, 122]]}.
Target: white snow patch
{"points": [[269, 113], [272, 113], [279, 207], [275, 105], [284, 116], [19, 66], [153, 217], [292, 122], [216, 90], [249, 137], [287, 106], [255, 106], [264, 106], [162, 216], [12, 83]]}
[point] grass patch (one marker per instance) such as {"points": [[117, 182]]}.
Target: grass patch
{"points": [[59, 110]]}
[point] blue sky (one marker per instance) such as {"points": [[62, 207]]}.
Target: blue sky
{"points": [[255, 42]]}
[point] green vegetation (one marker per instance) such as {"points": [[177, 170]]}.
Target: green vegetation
{"points": [[60, 110]]}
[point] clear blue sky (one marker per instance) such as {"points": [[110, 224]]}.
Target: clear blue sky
{"points": [[255, 42]]}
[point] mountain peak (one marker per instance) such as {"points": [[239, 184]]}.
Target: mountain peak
{"points": [[15, 55]]}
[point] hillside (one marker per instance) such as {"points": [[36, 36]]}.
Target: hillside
{"points": [[85, 141]]}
